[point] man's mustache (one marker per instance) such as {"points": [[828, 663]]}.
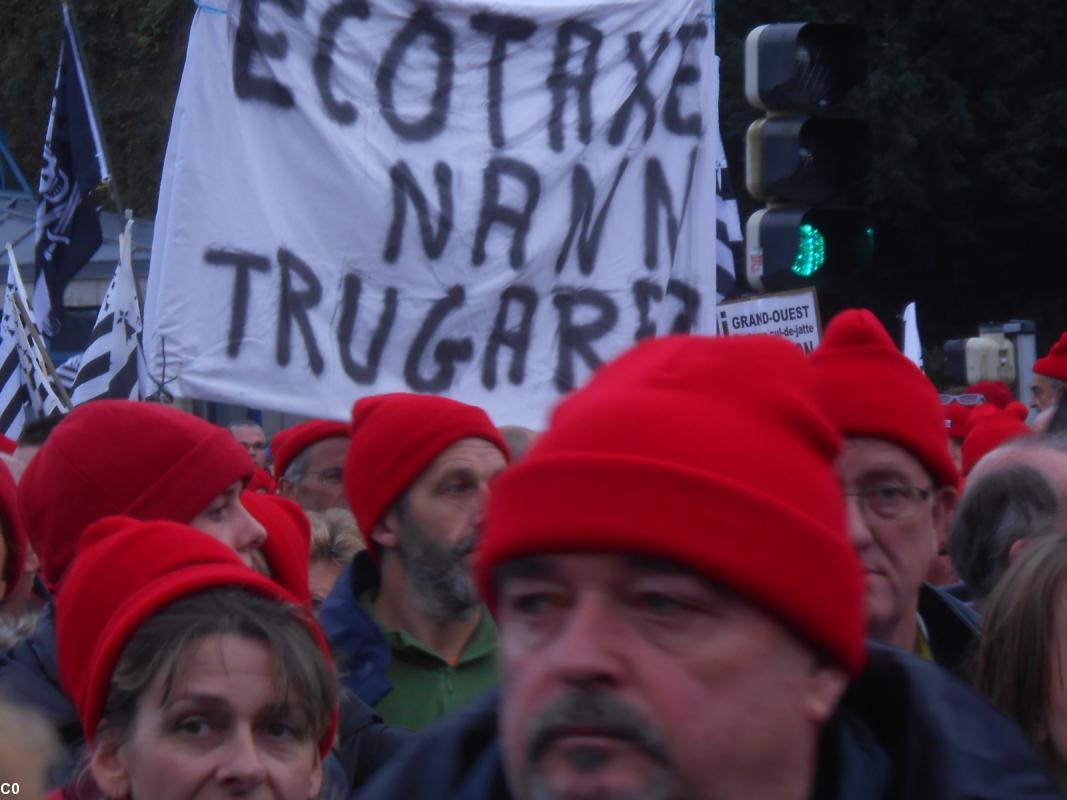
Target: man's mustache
{"points": [[581, 709]]}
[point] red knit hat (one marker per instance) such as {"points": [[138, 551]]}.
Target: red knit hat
{"points": [[291, 442], [989, 430], [14, 532], [288, 543], [996, 392], [1054, 364], [126, 571], [394, 437], [261, 481], [957, 416], [140, 460], [869, 388], [712, 453]]}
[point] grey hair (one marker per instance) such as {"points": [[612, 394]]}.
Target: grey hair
{"points": [[1016, 502], [297, 469]]}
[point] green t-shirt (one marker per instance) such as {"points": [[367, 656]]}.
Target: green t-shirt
{"points": [[425, 686]]}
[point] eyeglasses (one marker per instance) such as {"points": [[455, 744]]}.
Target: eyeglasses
{"points": [[891, 501], [966, 399], [331, 475]]}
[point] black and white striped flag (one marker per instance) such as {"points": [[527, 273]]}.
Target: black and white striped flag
{"points": [[108, 367], [26, 384], [14, 400]]}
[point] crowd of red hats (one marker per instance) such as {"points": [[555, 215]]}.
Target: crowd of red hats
{"points": [[737, 436]]}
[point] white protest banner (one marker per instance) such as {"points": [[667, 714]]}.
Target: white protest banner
{"points": [[792, 315], [480, 200]]}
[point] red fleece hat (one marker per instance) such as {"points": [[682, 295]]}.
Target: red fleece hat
{"points": [[957, 417], [712, 453], [1054, 364], [291, 442], [394, 437], [14, 532], [141, 460], [127, 571], [989, 430], [288, 543], [996, 392], [869, 388], [261, 481]]}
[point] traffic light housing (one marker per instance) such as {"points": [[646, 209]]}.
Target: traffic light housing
{"points": [[806, 165]]}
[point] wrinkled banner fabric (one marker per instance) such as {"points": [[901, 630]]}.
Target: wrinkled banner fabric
{"points": [[484, 201]]}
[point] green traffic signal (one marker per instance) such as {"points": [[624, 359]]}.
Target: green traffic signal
{"points": [[811, 251]]}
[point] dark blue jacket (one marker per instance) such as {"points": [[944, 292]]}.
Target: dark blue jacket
{"points": [[359, 649], [953, 628], [905, 730]]}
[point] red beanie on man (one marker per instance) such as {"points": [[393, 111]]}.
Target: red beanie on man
{"points": [[291, 442], [869, 388], [711, 453], [996, 392], [988, 430], [13, 531], [1054, 363], [957, 417], [141, 460], [393, 438], [127, 571], [288, 544]]}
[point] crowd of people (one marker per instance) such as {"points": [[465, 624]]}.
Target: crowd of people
{"points": [[724, 571]]}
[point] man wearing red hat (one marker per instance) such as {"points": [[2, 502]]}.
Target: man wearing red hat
{"points": [[901, 485], [1050, 377], [309, 460], [681, 612], [405, 617]]}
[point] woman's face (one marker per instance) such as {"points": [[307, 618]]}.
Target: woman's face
{"points": [[222, 731], [1057, 691]]}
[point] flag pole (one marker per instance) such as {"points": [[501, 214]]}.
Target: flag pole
{"points": [[106, 176], [22, 308]]}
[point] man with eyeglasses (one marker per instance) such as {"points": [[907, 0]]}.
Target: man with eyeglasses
{"points": [[900, 483], [253, 439], [309, 461], [681, 612], [405, 622]]}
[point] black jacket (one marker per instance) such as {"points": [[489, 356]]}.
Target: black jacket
{"points": [[905, 730], [953, 628]]}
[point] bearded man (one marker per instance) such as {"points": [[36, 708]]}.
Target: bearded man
{"points": [[404, 620]]}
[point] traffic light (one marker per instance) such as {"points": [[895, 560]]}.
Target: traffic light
{"points": [[805, 164]]}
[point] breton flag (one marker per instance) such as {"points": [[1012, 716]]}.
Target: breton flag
{"points": [[108, 367], [26, 384], [68, 228], [14, 398], [730, 243]]}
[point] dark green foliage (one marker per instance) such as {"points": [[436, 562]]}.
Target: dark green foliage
{"points": [[967, 102], [133, 52], [968, 109]]}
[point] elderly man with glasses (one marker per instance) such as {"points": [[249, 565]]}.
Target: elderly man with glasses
{"points": [[309, 461], [900, 483]]}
